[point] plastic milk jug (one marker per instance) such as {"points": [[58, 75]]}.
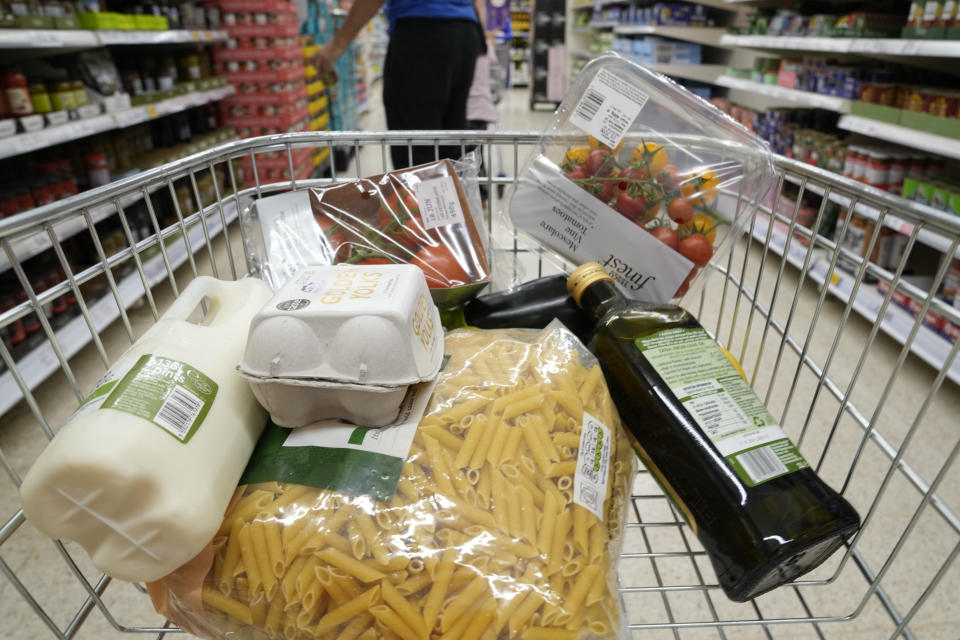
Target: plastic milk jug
{"points": [[141, 474]]}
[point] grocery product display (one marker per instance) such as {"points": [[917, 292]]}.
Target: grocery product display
{"points": [[489, 525], [763, 516], [170, 415], [548, 53]]}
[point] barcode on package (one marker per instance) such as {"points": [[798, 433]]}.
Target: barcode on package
{"points": [[761, 464], [589, 105], [178, 412], [608, 107], [593, 466]]}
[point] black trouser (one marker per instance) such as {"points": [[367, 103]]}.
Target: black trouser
{"points": [[426, 79]]}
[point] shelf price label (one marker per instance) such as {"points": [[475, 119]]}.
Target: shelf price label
{"points": [[152, 110], [44, 38]]}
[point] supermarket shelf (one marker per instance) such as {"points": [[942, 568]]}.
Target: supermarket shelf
{"points": [[40, 363], [709, 36], [913, 138], [80, 39], [47, 39], [865, 46], [806, 98], [198, 36], [24, 142], [707, 73], [929, 238], [897, 323], [603, 24]]}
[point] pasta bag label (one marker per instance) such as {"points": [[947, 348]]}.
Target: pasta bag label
{"points": [[339, 456], [593, 466]]}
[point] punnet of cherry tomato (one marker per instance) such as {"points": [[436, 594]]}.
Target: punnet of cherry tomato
{"points": [[378, 220], [674, 205]]}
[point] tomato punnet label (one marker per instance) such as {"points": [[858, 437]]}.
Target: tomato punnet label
{"points": [[439, 202], [581, 228], [608, 107]]}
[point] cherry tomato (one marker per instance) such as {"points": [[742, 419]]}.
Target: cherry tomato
{"points": [[702, 224], [600, 163], [399, 221], [680, 211], [651, 155], [608, 192], [576, 155], [579, 172], [667, 236], [335, 237], [696, 248], [635, 173], [669, 177], [631, 207], [685, 285], [440, 267]]}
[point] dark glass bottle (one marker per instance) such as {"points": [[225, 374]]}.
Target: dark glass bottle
{"points": [[763, 515], [531, 305]]}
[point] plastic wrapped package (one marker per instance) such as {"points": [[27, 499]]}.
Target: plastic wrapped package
{"points": [[504, 520], [639, 174], [429, 215]]}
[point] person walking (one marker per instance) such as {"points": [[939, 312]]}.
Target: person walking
{"points": [[428, 70]]}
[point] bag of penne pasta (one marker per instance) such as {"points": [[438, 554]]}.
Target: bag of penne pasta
{"points": [[493, 509]]}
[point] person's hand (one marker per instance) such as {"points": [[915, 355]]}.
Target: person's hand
{"points": [[324, 59]]}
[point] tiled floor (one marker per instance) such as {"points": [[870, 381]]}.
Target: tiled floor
{"points": [[806, 409]]}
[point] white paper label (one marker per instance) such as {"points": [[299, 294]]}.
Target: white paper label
{"points": [[290, 236], [570, 221], [439, 202], [392, 440], [593, 466], [608, 107]]}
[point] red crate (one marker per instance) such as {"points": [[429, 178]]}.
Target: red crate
{"points": [[267, 53], [269, 97], [263, 30], [284, 75]]}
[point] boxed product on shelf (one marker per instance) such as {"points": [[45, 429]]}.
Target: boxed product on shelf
{"points": [[666, 15], [654, 50]]}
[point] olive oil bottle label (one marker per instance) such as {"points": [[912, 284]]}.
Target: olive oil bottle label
{"points": [[722, 404]]}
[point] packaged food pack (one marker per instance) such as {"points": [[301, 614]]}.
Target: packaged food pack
{"points": [[503, 520], [641, 175], [429, 215]]}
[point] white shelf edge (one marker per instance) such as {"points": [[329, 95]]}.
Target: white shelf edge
{"points": [[929, 238], [82, 38], [906, 136], [707, 73], [40, 363], [897, 323], [865, 46], [26, 142], [816, 100]]}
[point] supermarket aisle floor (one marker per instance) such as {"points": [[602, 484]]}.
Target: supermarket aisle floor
{"points": [[44, 573]]}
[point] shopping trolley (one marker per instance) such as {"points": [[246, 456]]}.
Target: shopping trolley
{"points": [[865, 388]]}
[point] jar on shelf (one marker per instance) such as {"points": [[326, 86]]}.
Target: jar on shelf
{"points": [[98, 169], [40, 98], [79, 93], [17, 93]]}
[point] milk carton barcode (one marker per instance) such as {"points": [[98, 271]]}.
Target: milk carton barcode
{"points": [[589, 105], [179, 411], [761, 464]]}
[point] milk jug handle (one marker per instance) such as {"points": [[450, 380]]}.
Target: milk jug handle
{"points": [[225, 299]]}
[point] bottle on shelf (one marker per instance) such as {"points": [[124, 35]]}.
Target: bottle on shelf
{"points": [[763, 515]]}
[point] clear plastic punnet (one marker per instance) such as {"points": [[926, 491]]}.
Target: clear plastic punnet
{"points": [[639, 174]]}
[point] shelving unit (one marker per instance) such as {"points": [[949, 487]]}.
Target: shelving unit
{"points": [[805, 98], [39, 364], [710, 36], [897, 323], [914, 138], [76, 39], [76, 129], [865, 46]]}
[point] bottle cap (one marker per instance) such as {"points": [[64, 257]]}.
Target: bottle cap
{"points": [[584, 276]]}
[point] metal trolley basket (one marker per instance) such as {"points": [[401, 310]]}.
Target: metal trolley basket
{"points": [[878, 423]]}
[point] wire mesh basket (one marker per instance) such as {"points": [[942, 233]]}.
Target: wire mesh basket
{"points": [[866, 389]]}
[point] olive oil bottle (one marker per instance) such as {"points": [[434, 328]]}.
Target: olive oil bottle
{"points": [[762, 514]]}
